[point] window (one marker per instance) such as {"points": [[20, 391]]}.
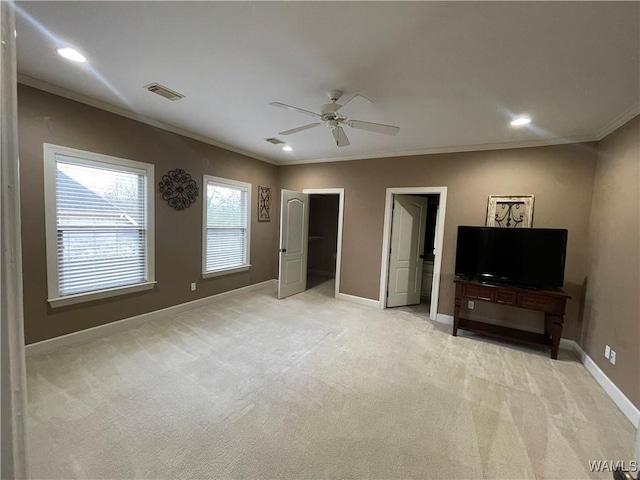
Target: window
{"points": [[226, 220], [99, 225]]}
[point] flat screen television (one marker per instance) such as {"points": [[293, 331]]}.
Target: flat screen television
{"points": [[530, 257]]}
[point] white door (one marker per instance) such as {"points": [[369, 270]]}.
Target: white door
{"points": [[294, 233], [407, 245]]}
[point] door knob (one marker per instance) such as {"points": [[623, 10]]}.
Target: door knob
{"points": [[283, 250]]}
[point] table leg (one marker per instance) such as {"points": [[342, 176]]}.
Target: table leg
{"points": [[456, 315], [556, 333]]}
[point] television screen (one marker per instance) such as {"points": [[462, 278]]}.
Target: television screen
{"points": [[533, 257]]}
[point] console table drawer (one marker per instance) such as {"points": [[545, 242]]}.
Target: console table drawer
{"points": [[480, 292], [506, 297], [536, 302]]}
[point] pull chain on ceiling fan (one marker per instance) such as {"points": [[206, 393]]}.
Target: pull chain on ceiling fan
{"points": [[334, 120]]}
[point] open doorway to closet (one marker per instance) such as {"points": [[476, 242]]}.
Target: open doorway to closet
{"points": [[412, 249], [323, 239], [310, 241]]}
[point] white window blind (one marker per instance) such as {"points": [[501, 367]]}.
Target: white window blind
{"points": [[226, 225], [99, 225]]}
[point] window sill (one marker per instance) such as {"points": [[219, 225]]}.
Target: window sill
{"points": [[99, 294], [226, 271]]}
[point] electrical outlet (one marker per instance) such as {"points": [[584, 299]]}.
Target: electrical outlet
{"points": [[471, 304], [607, 351], [612, 357], [193, 287]]}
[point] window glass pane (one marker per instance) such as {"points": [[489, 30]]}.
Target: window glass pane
{"points": [[95, 196], [91, 260], [226, 226], [227, 206], [101, 227], [226, 248]]}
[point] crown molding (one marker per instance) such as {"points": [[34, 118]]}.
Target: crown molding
{"points": [[619, 121], [63, 92], [542, 142]]}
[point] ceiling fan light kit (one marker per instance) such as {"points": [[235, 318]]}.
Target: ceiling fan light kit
{"points": [[333, 120]]}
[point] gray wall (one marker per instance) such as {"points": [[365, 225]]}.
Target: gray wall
{"points": [[46, 118]]}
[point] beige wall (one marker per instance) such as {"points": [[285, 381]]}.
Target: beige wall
{"points": [[46, 118], [612, 307], [560, 177]]}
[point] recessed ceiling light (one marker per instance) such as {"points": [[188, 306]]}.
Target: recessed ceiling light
{"points": [[520, 121], [71, 54], [287, 148]]}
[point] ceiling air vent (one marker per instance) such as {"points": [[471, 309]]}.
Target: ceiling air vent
{"points": [[274, 141], [164, 92]]}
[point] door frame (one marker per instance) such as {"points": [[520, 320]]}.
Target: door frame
{"points": [[439, 237], [340, 192], [13, 394]]}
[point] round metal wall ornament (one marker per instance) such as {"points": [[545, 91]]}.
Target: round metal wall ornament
{"points": [[178, 189]]}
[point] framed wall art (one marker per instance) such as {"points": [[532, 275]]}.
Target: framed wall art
{"points": [[510, 211], [264, 204]]}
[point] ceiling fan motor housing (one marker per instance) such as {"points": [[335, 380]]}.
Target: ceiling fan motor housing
{"points": [[328, 112]]}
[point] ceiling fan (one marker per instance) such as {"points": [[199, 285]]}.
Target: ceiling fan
{"points": [[334, 120]]}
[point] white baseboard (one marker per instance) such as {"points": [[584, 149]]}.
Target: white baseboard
{"points": [[74, 338], [359, 300], [566, 344], [624, 404], [620, 399], [446, 319]]}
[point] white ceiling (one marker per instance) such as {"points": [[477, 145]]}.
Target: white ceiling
{"points": [[450, 74]]}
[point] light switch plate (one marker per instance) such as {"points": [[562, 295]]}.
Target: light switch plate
{"points": [[607, 351], [471, 304], [193, 287], [612, 357]]}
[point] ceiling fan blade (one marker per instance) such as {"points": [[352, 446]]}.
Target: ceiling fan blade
{"points": [[373, 127], [299, 129], [294, 109], [340, 136], [357, 95]]}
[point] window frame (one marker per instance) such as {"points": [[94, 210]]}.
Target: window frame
{"points": [[92, 159], [224, 182]]}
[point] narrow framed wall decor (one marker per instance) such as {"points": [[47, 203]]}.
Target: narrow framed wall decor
{"points": [[264, 204], [510, 211]]}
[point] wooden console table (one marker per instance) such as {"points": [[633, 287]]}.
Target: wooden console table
{"points": [[551, 302]]}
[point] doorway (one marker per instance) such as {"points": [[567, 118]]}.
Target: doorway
{"points": [[412, 248], [323, 239], [310, 240]]}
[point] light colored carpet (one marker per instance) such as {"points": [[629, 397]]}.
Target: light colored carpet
{"points": [[313, 387]]}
